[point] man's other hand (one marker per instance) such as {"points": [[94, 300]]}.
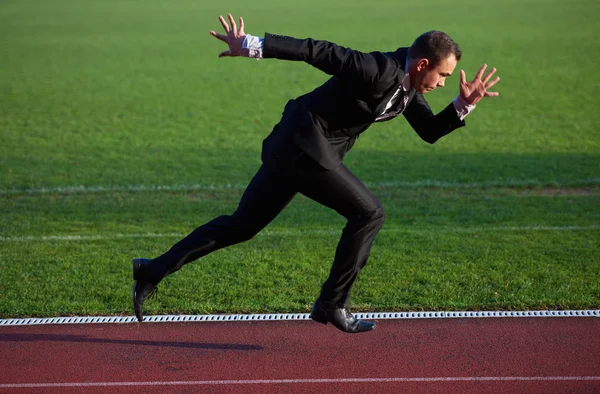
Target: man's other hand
{"points": [[234, 37], [477, 89]]}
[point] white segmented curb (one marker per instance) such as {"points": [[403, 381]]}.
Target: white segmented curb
{"points": [[294, 316]]}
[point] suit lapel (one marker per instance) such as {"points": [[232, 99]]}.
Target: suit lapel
{"points": [[411, 95], [393, 87], [400, 57]]}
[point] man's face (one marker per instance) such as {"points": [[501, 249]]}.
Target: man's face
{"points": [[430, 77]]}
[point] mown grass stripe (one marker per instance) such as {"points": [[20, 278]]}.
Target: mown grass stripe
{"points": [[293, 232], [394, 184]]}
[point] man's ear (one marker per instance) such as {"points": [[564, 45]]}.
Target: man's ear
{"points": [[422, 64]]}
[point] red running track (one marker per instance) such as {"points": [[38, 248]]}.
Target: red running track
{"points": [[495, 355]]}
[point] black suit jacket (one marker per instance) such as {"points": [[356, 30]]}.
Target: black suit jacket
{"points": [[325, 123]]}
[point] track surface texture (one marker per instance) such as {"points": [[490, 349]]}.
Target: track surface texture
{"points": [[492, 355]]}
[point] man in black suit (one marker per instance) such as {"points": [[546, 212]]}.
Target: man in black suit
{"points": [[304, 152]]}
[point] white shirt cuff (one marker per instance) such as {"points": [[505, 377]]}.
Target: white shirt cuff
{"points": [[462, 107], [254, 45]]}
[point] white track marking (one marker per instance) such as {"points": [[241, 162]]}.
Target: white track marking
{"points": [[200, 187], [293, 232], [35, 238], [312, 381]]}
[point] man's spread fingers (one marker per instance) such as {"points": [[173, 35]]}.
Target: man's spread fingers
{"points": [[219, 36], [225, 25], [233, 25], [480, 72], [488, 75], [492, 83]]}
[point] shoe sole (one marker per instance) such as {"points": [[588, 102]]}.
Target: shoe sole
{"points": [[320, 316]]}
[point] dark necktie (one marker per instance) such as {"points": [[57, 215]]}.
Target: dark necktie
{"points": [[397, 107]]}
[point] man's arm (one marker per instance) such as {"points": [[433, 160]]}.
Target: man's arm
{"points": [[428, 126], [432, 127], [326, 56]]}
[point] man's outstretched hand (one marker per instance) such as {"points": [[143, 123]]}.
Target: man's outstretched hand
{"points": [[234, 37], [477, 89]]}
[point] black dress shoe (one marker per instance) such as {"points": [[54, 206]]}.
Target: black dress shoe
{"points": [[144, 286], [339, 317]]}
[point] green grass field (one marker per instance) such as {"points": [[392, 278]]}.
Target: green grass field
{"points": [[121, 131]]}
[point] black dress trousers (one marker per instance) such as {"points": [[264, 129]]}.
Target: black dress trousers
{"points": [[285, 172]]}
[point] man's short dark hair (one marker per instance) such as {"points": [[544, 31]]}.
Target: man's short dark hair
{"points": [[435, 46]]}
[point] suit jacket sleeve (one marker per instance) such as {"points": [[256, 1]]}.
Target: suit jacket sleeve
{"points": [[428, 126], [330, 58]]}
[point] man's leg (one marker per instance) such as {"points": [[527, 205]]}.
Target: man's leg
{"points": [[342, 191], [266, 195], [264, 198]]}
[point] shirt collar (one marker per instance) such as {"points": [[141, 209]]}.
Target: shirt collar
{"points": [[406, 83]]}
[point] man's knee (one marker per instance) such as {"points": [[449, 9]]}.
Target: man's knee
{"points": [[373, 217], [377, 216]]}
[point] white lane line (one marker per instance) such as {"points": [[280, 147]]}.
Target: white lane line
{"points": [[207, 187], [271, 317], [292, 232], [313, 381], [88, 237]]}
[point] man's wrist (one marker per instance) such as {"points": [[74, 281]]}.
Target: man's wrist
{"points": [[462, 107], [253, 46]]}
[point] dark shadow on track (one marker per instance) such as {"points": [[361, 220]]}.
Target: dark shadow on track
{"points": [[83, 339]]}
